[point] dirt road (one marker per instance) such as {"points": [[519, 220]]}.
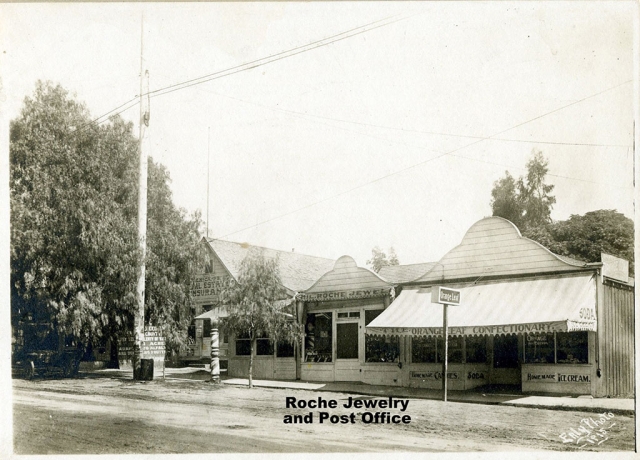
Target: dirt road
{"points": [[113, 415]]}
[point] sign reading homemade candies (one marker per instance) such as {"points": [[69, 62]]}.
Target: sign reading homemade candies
{"points": [[369, 411]]}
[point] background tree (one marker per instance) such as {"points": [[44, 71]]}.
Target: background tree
{"points": [[73, 195], [586, 237], [379, 259], [255, 307], [526, 202]]}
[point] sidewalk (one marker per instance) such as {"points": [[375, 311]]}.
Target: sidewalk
{"points": [[505, 398], [560, 402]]}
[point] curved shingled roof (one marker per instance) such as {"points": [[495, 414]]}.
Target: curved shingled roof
{"points": [[346, 275], [493, 246]]}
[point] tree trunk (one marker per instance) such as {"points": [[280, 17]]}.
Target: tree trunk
{"points": [[253, 349]]}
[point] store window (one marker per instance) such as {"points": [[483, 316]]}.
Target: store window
{"points": [[476, 349], [318, 338], [243, 345], [285, 350], [505, 351], [572, 347], [454, 354], [423, 349], [264, 345], [380, 349], [539, 348]]}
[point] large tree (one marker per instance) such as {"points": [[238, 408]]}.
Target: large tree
{"points": [[256, 306], [526, 202], [74, 248], [586, 237]]}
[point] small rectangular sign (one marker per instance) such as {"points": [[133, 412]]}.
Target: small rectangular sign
{"points": [[444, 295]]}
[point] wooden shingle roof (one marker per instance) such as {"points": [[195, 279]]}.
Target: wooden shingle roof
{"points": [[405, 273], [297, 271]]}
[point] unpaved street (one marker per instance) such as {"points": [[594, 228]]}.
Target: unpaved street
{"points": [[115, 415]]}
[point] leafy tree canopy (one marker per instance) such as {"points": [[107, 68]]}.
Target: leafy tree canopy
{"points": [[379, 259], [527, 202], [586, 237], [74, 249], [255, 307]]}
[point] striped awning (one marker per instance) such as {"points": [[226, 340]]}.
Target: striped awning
{"points": [[507, 307]]}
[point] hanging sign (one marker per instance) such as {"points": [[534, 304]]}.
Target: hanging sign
{"points": [[444, 295]]}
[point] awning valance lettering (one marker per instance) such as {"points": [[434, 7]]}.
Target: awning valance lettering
{"points": [[512, 307]]}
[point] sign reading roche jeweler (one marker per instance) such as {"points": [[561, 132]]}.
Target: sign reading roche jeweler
{"points": [[343, 295]]}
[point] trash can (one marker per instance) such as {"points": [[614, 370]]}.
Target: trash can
{"points": [[146, 369]]}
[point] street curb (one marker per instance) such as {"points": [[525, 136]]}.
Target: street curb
{"points": [[597, 410]]}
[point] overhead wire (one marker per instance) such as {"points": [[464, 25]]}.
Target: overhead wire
{"points": [[344, 192], [248, 66], [417, 131]]}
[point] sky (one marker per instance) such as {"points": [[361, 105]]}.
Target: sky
{"points": [[392, 136]]}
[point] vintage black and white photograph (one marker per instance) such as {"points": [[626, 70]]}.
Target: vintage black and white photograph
{"points": [[318, 227]]}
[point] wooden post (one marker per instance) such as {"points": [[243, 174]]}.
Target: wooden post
{"points": [[215, 351], [446, 351]]}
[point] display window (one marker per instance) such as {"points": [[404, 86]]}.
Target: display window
{"points": [[285, 350], [318, 338], [423, 349], [454, 352], [476, 349], [572, 347], [380, 349], [264, 345], [539, 348], [243, 345], [563, 348]]}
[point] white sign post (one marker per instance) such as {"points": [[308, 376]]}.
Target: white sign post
{"points": [[446, 297]]}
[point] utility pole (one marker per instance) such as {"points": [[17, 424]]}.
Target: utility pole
{"points": [[142, 210]]}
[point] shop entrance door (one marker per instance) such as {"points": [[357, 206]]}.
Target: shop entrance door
{"points": [[348, 351], [506, 363]]}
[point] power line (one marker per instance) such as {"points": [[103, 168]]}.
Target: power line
{"points": [[395, 128], [305, 117], [420, 163], [252, 64]]}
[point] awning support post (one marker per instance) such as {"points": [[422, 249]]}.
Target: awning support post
{"points": [[446, 352]]}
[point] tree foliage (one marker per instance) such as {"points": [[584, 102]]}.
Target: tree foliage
{"points": [[586, 237], [526, 202], [255, 306], [379, 259], [74, 247]]}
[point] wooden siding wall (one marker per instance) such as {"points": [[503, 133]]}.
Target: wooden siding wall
{"points": [[616, 325]]}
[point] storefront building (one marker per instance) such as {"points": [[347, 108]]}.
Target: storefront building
{"points": [[297, 272], [335, 312], [528, 318]]}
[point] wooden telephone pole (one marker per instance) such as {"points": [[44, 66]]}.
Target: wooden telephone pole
{"points": [[142, 210]]}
